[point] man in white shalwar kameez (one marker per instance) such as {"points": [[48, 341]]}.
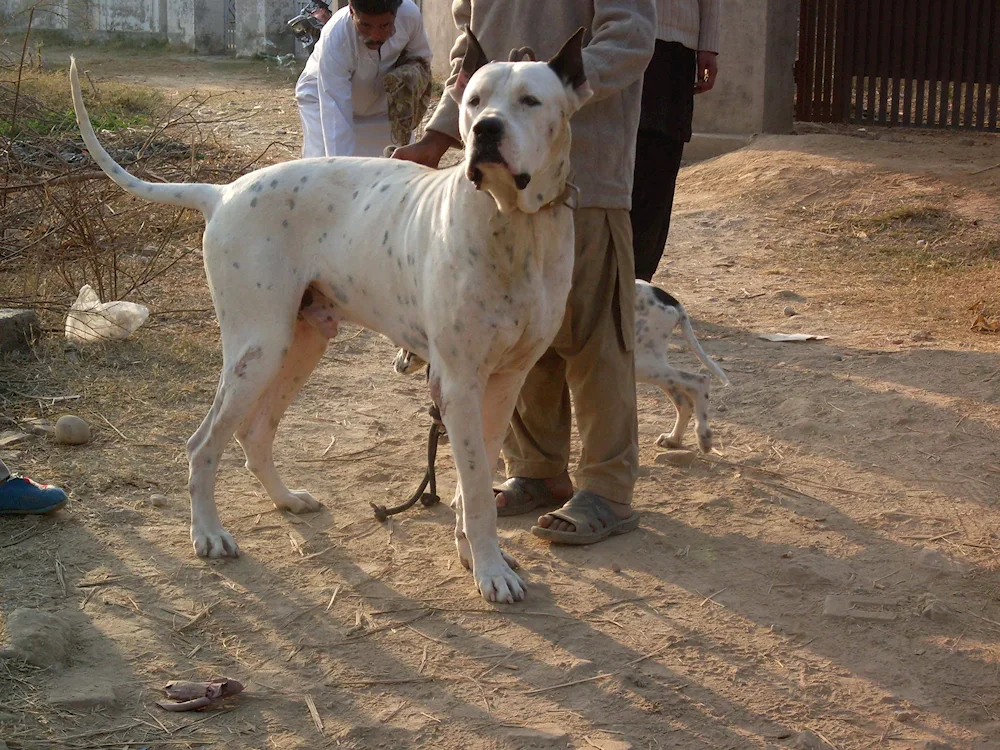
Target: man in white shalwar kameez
{"points": [[341, 96]]}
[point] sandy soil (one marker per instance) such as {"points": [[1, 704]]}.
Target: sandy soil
{"points": [[828, 579]]}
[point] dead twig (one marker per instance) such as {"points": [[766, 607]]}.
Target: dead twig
{"points": [[561, 685], [333, 598], [108, 422], [314, 713], [198, 617]]}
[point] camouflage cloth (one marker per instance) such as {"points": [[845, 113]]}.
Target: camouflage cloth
{"points": [[408, 90]]}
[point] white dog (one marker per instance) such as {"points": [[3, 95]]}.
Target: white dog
{"points": [[657, 314], [469, 267]]}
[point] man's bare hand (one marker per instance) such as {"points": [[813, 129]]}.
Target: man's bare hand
{"points": [[708, 69], [428, 150]]}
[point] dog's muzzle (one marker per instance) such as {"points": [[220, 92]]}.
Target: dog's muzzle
{"points": [[487, 135]]}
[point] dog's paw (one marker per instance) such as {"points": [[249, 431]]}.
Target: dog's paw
{"points": [[705, 440], [666, 441], [498, 582], [298, 501], [214, 544]]}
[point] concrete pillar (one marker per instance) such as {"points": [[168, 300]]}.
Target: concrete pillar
{"points": [[755, 91], [209, 26], [261, 26], [180, 23], [441, 33]]}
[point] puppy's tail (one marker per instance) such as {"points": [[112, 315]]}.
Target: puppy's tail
{"points": [[202, 197], [688, 332]]}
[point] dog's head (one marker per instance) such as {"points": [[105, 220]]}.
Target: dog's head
{"points": [[514, 121]]}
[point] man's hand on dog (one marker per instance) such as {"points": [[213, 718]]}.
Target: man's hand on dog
{"points": [[428, 150]]}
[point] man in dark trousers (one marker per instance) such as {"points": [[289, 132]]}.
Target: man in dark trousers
{"points": [[687, 43]]}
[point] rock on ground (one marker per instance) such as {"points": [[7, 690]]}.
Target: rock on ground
{"points": [[18, 328], [42, 639]]}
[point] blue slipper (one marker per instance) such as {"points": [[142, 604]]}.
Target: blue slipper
{"points": [[22, 496]]}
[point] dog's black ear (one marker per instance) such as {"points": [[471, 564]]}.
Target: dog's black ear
{"points": [[474, 59], [568, 64]]}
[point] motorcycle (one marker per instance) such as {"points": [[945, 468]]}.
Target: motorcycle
{"points": [[308, 24]]}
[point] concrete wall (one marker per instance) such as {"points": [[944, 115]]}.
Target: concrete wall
{"points": [[196, 24], [261, 26], [442, 33], [94, 17], [755, 90]]}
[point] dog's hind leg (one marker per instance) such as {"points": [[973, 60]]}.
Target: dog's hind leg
{"points": [[251, 360], [689, 394], [256, 433]]}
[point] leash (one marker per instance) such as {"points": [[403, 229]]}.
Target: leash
{"points": [[427, 499]]}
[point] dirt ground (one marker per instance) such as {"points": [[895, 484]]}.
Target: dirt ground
{"points": [[827, 579]]}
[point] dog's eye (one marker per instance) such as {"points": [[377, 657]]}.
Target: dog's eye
{"points": [[473, 101], [530, 101]]}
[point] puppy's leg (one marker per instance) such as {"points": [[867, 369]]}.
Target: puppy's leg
{"points": [[700, 396], [256, 434], [251, 359], [689, 394], [461, 401], [498, 408]]}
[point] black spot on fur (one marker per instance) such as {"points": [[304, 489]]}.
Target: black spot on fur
{"points": [[295, 189], [329, 209], [355, 196], [304, 179], [284, 223], [664, 298], [541, 197], [274, 183], [385, 237], [368, 206], [253, 203], [236, 266], [178, 194], [291, 204], [383, 188]]}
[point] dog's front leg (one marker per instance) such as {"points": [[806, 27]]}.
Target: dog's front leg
{"points": [[498, 408], [461, 404]]}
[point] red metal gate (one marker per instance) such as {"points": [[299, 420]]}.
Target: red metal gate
{"points": [[931, 63]]}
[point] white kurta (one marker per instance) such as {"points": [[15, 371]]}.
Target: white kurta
{"points": [[341, 97]]}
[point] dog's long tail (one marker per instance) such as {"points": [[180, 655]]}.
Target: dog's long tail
{"points": [[202, 197], [688, 332]]}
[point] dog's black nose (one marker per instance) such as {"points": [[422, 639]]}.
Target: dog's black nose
{"points": [[488, 127]]}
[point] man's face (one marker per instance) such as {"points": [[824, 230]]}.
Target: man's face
{"points": [[375, 29]]}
